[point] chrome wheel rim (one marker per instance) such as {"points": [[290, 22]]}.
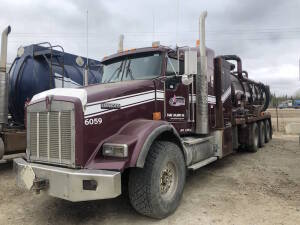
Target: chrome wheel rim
{"points": [[168, 180]]}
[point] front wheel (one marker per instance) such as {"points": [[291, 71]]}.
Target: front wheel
{"points": [[156, 189]]}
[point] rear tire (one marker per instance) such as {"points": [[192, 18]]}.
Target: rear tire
{"points": [[1, 148], [268, 131], [254, 136], [262, 134], [156, 189]]}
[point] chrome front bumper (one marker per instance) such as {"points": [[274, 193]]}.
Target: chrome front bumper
{"points": [[70, 184]]}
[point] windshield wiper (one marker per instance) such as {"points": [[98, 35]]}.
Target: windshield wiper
{"points": [[128, 70], [119, 69]]}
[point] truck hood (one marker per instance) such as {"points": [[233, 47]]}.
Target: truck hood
{"points": [[115, 94], [113, 90], [65, 92]]}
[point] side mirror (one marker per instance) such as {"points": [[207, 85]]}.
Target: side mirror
{"points": [[190, 66], [190, 62]]}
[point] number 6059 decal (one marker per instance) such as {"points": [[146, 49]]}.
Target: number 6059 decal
{"points": [[93, 121]]}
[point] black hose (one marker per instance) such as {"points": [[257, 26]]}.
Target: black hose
{"points": [[266, 89]]}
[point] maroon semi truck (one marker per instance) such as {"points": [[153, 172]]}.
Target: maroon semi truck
{"points": [[157, 113]]}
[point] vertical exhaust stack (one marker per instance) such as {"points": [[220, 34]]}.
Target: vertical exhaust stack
{"points": [[121, 43], [201, 82], [4, 79]]}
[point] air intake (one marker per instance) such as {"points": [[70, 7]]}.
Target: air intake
{"points": [[201, 82]]}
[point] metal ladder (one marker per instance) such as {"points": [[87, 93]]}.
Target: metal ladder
{"points": [[49, 53]]}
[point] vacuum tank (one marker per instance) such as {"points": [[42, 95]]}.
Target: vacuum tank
{"points": [[36, 68], [41, 67], [247, 94]]}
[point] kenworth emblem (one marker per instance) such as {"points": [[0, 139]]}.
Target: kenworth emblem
{"points": [[48, 102], [177, 101], [110, 106]]}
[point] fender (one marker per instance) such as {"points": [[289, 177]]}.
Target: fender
{"points": [[138, 135], [150, 139], [145, 131]]}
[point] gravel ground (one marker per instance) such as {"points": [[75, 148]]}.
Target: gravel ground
{"points": [[285, 116], [244, 188]]}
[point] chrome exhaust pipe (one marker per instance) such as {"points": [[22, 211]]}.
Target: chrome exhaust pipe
{"points": [[201, 82], [121, 43], [4, 79], [3, 59]]}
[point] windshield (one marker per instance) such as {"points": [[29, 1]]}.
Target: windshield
{"points": [[134, 67]]}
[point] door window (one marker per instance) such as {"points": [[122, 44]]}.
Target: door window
{"points": [[172, 67]]}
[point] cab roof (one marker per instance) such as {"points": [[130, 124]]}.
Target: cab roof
{"points": [[137, 50]]}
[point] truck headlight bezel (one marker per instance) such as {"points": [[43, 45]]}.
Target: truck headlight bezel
{"points": [[115, 150]]}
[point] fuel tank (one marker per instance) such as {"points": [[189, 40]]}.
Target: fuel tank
{"points": [[41, 67]]}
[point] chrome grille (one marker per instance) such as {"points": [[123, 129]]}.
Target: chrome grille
{"points": [[43, 134], [65, 135], [33, 133], [50, 137], [54, 135]]}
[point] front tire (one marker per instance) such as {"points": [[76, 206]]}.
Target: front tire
{"points": [[156, 189]]}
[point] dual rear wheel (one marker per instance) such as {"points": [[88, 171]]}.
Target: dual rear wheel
{"points": [[268, 131], [260, 133]]}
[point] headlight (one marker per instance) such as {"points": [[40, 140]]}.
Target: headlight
{"points": [[115, 150]]}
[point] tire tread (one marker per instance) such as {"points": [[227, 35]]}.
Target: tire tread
{"points": [[140, 182]]}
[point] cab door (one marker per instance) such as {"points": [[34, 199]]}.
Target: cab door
{"points": [[176, 96]]}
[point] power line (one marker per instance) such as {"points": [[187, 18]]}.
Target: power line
{"points": [[255, 30], [216, 37], [219, 38]]}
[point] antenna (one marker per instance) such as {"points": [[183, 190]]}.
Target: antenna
{"points": [[153, 26], [177, 24], [86, 71], [177, 21], [87, 36]]}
